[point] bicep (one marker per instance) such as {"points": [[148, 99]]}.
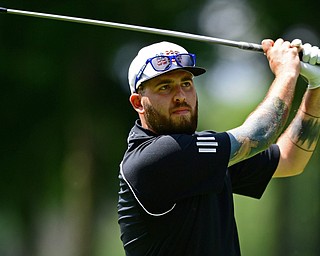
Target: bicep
{"points": [[297, 144], [243, 145], [292, 158]]}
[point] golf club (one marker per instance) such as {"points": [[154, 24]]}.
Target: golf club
{"points": [[207, 39]]}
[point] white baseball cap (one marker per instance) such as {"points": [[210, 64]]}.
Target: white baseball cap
{"points": [[141, 69]]}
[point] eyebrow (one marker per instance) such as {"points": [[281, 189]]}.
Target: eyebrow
{"points": [[187, 77]]}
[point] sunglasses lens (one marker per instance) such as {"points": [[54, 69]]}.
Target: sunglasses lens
{"points": [[160, 63], [185, 60]]}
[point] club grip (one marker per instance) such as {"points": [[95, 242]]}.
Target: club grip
{"points": [[3, 9]]}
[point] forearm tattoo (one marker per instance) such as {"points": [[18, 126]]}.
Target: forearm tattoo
{"points": [[304, 131], [260, 129]]}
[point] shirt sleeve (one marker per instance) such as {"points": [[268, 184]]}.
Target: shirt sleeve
{"points": [[251, 177], [169, 168]]}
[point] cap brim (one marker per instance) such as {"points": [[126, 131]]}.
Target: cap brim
{"points": [[196, 71]]}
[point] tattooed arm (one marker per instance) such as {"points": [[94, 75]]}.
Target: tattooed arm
{"points": [[265, 124], [299, 140]]}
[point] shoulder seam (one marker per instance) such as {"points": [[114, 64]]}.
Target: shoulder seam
{"points": [[135, 196]]}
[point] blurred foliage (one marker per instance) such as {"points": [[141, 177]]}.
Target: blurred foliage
{"points": [[65, 116]]}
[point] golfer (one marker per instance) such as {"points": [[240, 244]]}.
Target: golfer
{"points": [[176, 183]]}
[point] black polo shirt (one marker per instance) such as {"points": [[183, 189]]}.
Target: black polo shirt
{"points": [[176, 197]]}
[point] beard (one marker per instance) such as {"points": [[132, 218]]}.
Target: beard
{"points": [[163, 125]]}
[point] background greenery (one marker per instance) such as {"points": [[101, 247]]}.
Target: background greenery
{"points": [[65, 117]]}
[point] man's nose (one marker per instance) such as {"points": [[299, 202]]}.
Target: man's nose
{"points": [[180, 95]]}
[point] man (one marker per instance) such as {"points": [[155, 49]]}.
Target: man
{"points": [[176, 184]]}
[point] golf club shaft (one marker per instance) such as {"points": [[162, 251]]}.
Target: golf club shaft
{"points": [[207, 39]]}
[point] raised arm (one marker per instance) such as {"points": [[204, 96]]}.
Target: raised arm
{"points": [[265, 124], [299, 140]]}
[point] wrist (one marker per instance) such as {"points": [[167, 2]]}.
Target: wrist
{"points": [[288, 75], [287, 80]]}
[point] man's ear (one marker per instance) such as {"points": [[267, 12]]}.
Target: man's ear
{"points": [[135, 100]]}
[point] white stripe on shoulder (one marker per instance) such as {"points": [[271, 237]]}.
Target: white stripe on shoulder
{"points": [[206, 138], [207, 144]]}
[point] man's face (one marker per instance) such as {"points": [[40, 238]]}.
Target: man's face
{"points": [[170, 103]]}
